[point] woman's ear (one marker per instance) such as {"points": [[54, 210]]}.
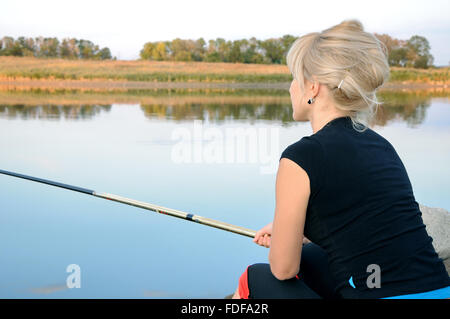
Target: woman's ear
{"points": [[314, 88]]}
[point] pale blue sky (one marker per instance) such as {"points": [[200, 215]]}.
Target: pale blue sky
{"points": [[124, 26]]}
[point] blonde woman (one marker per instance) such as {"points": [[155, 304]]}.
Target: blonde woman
{"points": [[344, 187]]}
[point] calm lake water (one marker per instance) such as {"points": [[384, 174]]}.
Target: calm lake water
{"points": [[175, 150]]}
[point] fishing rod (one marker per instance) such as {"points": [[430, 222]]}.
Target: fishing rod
{"points": [[155, 208]]}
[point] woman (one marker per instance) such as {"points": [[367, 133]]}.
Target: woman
{"points": [[344, 187]]}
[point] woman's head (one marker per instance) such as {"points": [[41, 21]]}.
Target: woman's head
{"points": [[343, 64]]}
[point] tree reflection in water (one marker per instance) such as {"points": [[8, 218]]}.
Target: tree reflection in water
{"points": [[188, 105]]}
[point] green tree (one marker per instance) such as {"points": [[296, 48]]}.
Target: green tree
{"points": [[47, 47], [73, 48], [199, 50], [251, 52], [66, 50], [419, 52], [398, 57], [147, 52], [389, 42], [212, 57], [159, 52], [235, 54], [273, 50], [212, 54], [104, 54], [223, 48], [286, 41], [183, 56], [181, 50], [16, 49], [87, 49], [423, 62], [53, 48], [7, 46], [28, 46], [211, 46]]}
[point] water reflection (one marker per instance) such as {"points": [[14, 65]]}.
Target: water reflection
{"points": [[185, 105], [221, 112], [409, 107], [115, 245], [52, 112]]}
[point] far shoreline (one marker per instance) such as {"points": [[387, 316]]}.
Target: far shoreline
{"points": [[24, 84]]}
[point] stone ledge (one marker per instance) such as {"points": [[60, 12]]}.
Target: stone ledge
{"points": [[437, 222]]}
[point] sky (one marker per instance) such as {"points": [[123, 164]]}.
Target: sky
{"points": [[125, 26]]}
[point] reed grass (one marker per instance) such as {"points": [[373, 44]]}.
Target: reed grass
{"points": [[19, 68]]}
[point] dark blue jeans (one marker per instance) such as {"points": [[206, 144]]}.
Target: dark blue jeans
{"points": [[314, 280]]}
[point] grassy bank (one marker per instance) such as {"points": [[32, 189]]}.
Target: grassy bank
{"points": [[20, 68], [159, 71]]}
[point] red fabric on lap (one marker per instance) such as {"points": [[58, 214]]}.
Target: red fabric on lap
{"points": [[243, 285]]}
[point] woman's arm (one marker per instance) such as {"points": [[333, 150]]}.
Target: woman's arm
{"points": [[292, 195]]}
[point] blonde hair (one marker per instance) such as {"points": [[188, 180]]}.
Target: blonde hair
{"points": [[352, 64]]}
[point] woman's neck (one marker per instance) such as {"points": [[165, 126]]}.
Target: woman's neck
{"points": [[319, 120]]}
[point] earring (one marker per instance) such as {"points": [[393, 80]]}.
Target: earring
{"points": [[311, 100]]}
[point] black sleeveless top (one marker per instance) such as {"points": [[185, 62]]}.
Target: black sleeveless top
{"points": [[362, 211]]}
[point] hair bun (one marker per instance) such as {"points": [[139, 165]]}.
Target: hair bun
{"points": [[349, 61], [353, 24]]}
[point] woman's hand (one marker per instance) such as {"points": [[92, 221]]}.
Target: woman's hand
{"points": [[262, 236]]}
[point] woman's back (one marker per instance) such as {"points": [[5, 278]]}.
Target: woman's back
{"points": [[359, 207], [362, 211]]}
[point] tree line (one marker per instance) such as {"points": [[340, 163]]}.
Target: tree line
{"points": [[414, 52], [68, 48], [270, 51]]}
